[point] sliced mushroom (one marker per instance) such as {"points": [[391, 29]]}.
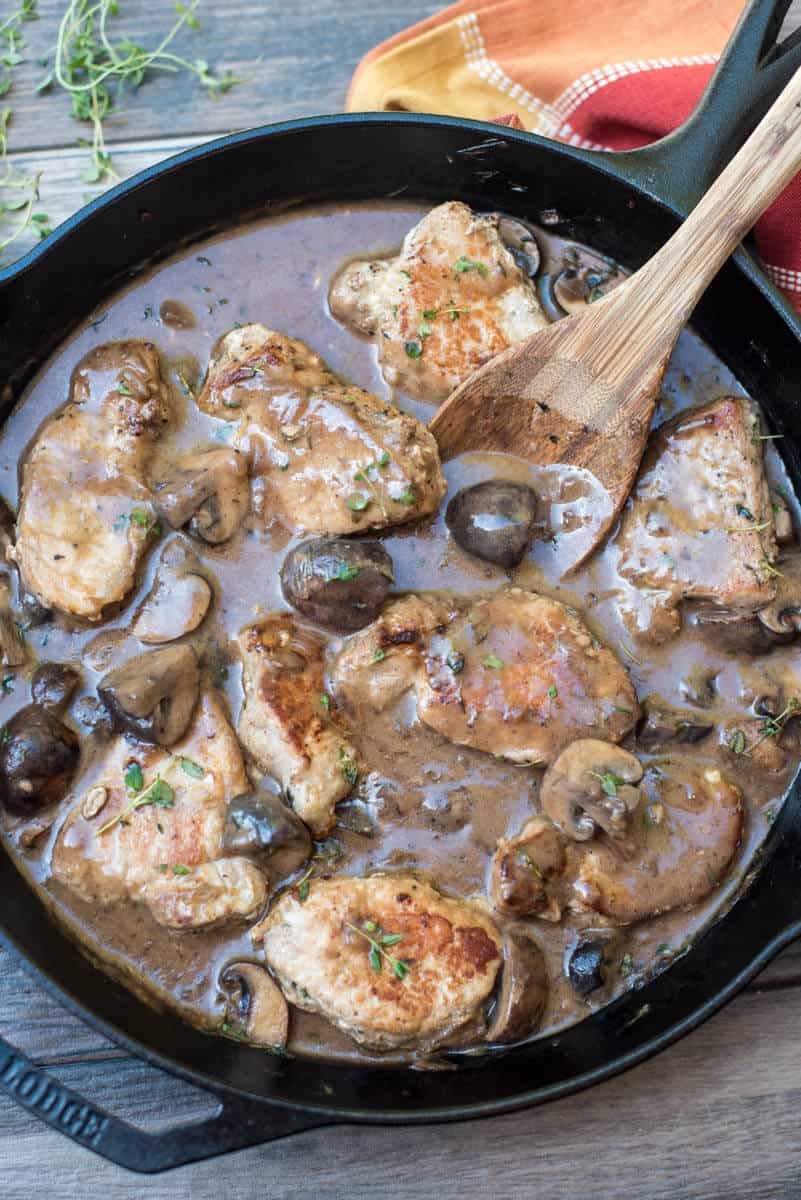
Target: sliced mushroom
{"points": [[256, 1006], [153, 695], [521, 242], [590, 785], [208, 491], [523, 991], [665, 725], [263, 826], [38, 758], [698, 685], [525, 867], [781, 620], [177, 315], [53, 685], [178, 600], [493, 520], [679, 847], [13, 652], [337, 583]]}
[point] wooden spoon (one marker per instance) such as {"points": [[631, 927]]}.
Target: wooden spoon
{"points": [[582, 391]]}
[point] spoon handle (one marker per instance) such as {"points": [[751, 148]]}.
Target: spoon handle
{"points": [[656, 302]]}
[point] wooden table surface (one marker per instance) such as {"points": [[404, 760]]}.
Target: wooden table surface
{"points": [[715, 1116]]}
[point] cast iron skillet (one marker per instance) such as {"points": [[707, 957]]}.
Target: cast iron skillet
{"points": [[626, 205]]}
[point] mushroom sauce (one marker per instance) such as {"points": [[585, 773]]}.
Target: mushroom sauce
{"points": [[421, 803]]}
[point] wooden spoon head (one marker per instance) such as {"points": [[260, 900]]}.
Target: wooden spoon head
{"points": [[553, 399]]}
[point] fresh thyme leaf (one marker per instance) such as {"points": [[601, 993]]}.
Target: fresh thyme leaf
{"points": [[744, 512], [424, 329], [493, 662], [180, 869], [345, 572], [158, 793], [138, 517], [348, 767], [134, 780], [383, 459], [372, 932], [413, 349], [303, 891], [609, 782], [553, 691], [325, 701], [626, 964], [357, 502], [190, 767], [379, 655], [455, 661], [407, 498]]}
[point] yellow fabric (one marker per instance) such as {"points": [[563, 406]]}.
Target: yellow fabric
{"points": [[518, 57]]}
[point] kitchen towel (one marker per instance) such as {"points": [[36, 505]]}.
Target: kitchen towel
{"points": [[603, 74]]}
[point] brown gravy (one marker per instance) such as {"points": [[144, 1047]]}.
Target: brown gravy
{"points": [[425, 803]]}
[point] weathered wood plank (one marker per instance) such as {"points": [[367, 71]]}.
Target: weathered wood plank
{"points": [[293, 60], [714, 1116]]}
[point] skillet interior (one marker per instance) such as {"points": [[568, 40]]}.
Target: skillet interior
{"points": [[427, 159]]}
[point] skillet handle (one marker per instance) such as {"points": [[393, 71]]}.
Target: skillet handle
{"points": [[753, 70], [236, 1124]]}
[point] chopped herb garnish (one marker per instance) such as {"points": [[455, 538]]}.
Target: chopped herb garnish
{"points": [[358, 502], [407, 498], [493, 662], [345, 572], [413, 349], [190, 767], [553, 691], [7, 684], [123, 389], [744, 512], [325, 701], [464, 264], [379, 655], [201, 258], [180, 869], [622, 708], [737, 743], [662, 949], [626, 964], [455, 661], [378, 941], [302, 886]]}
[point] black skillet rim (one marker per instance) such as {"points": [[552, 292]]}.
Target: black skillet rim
{"points": [[778, 840]]}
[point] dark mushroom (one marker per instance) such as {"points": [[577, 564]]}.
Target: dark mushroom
{"points": [[523, 991], [590, 785], [698, 685], [153, 695], [262, 826], [38, 758], [94, 716], [337, 583], [664, 725], [493, 520], [587, 964], [178, 600], [255, 1007], [53, 685], [522, 244], [208, 491]]}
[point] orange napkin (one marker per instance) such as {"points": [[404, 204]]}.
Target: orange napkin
{"points": [[603, 74]]}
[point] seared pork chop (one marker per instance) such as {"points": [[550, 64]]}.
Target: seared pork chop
{"points": [[85, 518], [386, 958], [287, 722], [514, 674], [699, 524], [165, 853], [325, 457], [452, 299]]}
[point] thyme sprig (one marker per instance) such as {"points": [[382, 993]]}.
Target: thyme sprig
{"points": [[94, 67], [17, 213], [372, 932]]}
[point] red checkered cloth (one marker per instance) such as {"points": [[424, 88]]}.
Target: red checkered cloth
{"points": [[573, 71]]}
